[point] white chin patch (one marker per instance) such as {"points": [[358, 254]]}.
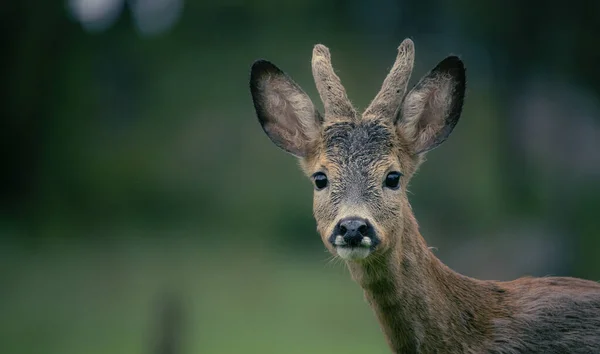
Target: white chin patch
{"points": [[353, 253]]}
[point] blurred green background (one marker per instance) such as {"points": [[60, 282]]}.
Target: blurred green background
{"points": [[143, 210]]}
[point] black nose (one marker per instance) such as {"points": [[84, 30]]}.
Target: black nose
{"points": [[353, 230]]}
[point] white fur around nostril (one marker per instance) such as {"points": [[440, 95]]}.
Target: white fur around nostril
{"points": [[339, 241], [366, 241]]}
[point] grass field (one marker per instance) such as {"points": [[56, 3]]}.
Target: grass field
{"points": [[105, 297]]}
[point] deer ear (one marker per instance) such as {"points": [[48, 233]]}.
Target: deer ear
{"points": [[285, 112], [432, 108]]}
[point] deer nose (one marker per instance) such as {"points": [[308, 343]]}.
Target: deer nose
{"points": [[353, 230]]}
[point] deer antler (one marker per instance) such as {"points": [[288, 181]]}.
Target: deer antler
{"points": [[387, 102], [330, 88]]}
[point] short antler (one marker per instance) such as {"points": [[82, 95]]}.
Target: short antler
{"points": [[330, 88], [387, 102]]}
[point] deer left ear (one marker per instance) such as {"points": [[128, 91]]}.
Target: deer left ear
{"points": [[432, 108], [285, 112]]}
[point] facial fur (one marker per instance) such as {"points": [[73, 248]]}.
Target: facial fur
{"points": [[356, 157]]}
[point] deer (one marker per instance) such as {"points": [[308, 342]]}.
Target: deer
{"points": [[360, 165]]}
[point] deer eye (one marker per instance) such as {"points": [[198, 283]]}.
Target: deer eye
{"points": [[320, 180], [392, 180]]}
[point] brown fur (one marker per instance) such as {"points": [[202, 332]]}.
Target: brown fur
{"points": [[421, 304]]}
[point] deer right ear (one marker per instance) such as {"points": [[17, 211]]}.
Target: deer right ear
{"points": [[432, 108], [285, 112]]}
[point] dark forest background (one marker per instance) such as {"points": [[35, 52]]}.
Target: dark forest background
{"points": [[142, 209]]}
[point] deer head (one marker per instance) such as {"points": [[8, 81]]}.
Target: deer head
{"points": [[360, 164]]}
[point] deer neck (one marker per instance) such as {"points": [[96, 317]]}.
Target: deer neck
{"points": [[419, 302]]}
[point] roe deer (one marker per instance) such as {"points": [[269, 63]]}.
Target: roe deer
{"points": [[360, 165]]}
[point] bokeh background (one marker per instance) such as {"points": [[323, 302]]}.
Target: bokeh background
{"points": [[143, 210]]}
